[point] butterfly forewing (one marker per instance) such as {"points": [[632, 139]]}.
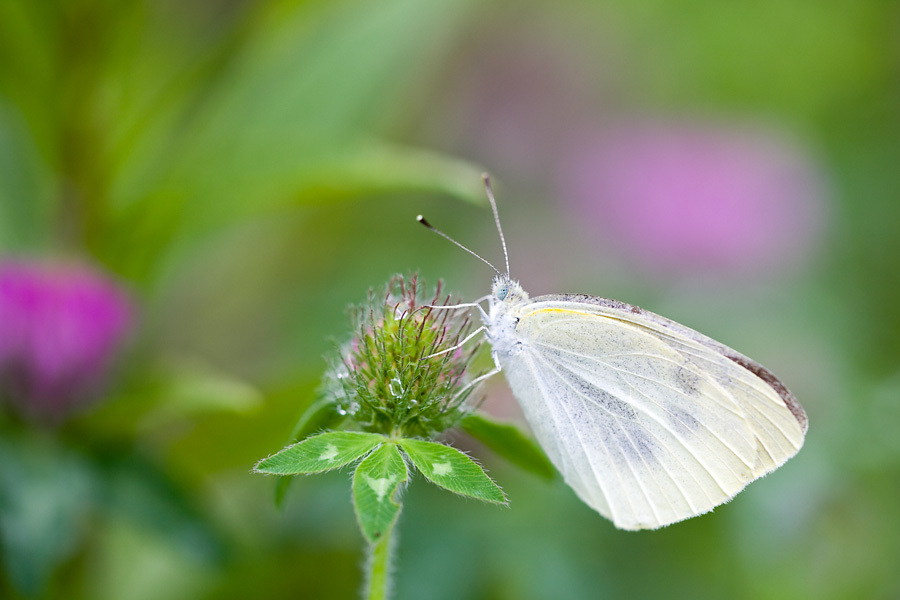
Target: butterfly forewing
{"points": [[649, 421], [777, 419]]}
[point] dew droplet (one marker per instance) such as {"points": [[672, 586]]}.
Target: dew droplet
{"points": [[395, 387]]}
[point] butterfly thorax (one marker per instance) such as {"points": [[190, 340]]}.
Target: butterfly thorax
{"points": [[507, 300]]}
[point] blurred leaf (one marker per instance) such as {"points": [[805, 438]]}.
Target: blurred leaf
{"points": [[289, 115], [50, 496], [154, 398], [138, 491], [452, 470], [321, 414], [281, 489], [320, 453], [129, 562], [187, 390], [813, 56], [24, 186], [508, 441], [375, 485], [369, 165], [29, 55], [47, 493]]}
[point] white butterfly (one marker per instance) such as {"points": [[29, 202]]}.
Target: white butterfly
{"points": [[649, 421]]}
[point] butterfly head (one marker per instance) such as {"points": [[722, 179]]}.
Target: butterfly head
{"points": [[505, 289]]}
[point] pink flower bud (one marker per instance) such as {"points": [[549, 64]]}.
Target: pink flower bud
{"points": [[60, 328]]}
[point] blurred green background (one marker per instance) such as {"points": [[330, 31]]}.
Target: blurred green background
{"points": [[247, 169]]}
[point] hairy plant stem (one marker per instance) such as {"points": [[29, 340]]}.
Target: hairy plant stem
{"points": [[378, 580]]}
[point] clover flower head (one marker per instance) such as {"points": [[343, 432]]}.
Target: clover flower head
{"points": [[403, 373]]}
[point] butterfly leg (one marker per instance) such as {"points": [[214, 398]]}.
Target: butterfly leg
{"points": [[459, 345], [476, 381], [476, 304]]}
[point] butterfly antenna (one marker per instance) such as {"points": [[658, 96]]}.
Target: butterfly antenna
{"points": [[424, 222], [490, 194]]}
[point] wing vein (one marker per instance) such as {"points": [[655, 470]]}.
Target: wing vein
{"points": [[655, 356], [583, 446], [675, 417], [666, 447], [628, 461], [546, 395]]}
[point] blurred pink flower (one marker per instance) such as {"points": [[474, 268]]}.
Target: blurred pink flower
{"points": [[60, 327], [699, 198]]}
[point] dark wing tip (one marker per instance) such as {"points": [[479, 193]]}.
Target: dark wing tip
{"points": [[773, 382]]}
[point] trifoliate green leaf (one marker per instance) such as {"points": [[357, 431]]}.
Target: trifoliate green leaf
{"points": [[375, 485], [452, 470], [319, 453]]}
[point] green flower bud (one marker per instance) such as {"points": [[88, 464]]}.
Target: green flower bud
{"points": [[403, 373]]}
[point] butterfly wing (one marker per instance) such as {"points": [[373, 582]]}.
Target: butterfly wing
{"points": [[649, 421]]}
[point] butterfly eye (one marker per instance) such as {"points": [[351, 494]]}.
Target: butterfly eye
{"points": [[502, 292]]}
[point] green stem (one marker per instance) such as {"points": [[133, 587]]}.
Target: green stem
{"points": [[379, 577]]}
